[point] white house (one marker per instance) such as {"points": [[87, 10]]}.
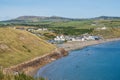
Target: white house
{"points": [[82, 39], [92, 38], [59, 38], [78, 39], [102, 28], [42, 29], [30, 29]]}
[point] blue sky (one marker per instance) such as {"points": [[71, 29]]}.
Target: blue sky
{"points": [[66, 8]]}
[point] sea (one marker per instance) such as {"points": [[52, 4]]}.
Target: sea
{"points": [[96, 62]]}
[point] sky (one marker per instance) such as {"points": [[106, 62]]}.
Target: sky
{"points": [[10, 9]]}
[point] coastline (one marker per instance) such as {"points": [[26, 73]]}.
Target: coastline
{"points": [[30, 67], [69, 46], [85, 62]]}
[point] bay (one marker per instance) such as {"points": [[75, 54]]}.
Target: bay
{"points": [[97, 62]]}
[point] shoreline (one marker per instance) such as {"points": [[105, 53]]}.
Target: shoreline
{"points": [[69, 46], [31, 67]]}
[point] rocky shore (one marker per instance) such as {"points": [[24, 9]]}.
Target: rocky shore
{"points": [[30, 67]]}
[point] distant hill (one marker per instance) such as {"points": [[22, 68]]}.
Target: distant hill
{"points": [[46, 21], [57, 18], [17, 46], [106, 18], [40, 19]]}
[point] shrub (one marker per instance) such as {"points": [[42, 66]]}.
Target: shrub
{"points": [[1, 75], [20, 76]]}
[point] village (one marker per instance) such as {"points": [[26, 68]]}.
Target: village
{"points": [[61, 38], [84, 37]]}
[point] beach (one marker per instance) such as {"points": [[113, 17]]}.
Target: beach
{"points": [[69, 46]]}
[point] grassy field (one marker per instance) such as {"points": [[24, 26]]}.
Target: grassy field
{"points": [[76, 24], [78, 27], [85, 24], [17, 46], [110, 23]]}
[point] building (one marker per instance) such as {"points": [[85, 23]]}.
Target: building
{"points": [[102, 28], [92, 38], [59, 38]]}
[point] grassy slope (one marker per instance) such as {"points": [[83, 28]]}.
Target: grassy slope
{"points": [[17, 46], [109, 33]]}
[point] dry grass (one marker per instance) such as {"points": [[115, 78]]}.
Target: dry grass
{"points": [[17, 46]]}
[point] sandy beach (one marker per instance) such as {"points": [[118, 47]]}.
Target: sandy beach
{"points": [[68, 46]]}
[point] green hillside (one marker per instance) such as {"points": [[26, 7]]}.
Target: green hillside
{"points": [[17, 46], [25, 19]]}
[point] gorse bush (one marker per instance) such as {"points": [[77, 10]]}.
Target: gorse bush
{"points": [[22, 76], [1, 75]]}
